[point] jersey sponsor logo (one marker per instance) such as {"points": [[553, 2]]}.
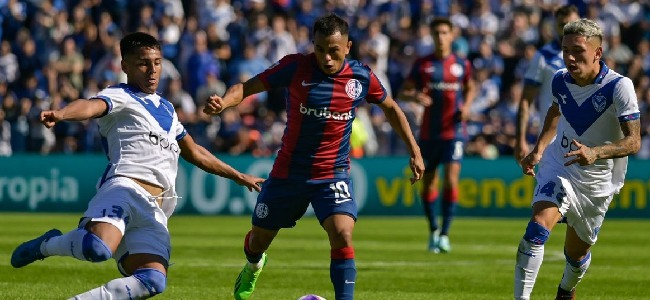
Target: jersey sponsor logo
{"points": [[325, 113], [308, 84], [445, 86], [563, 96], [599, 101], [261, 210], [456, 70], [163, 142], [353, 88]]}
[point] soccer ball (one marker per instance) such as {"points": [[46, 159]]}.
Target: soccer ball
{"points": [[311, 297]]}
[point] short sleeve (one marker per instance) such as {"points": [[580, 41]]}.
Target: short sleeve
{"points": [[115, 99], [376, 91], [625, 101], [180, 130]]}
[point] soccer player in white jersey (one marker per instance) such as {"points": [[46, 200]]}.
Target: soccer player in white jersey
{"points": [[537, 80], [595, 116], [127, 218]]}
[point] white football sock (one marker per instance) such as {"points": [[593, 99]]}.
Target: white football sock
{"points": [[529, 260], [573, 273], [68, 244], [116, 289]]}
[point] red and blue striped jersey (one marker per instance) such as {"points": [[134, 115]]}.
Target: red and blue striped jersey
{"points": [[444, 80], [320, 111]]}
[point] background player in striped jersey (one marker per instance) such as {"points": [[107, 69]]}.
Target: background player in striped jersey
{"points": [[442, 83], [595, 119], [127, 218], [537, 79], [323, 91]]}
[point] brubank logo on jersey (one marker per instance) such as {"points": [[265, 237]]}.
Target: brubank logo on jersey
{"points": [[445, 86], [325, 113]]}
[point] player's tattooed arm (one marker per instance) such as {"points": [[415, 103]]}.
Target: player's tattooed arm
{"points": [[629, 144]]}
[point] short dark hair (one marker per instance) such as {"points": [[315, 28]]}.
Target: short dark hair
{"points": [[131, 42], [330, 25], [566, 10], [441, 21]]}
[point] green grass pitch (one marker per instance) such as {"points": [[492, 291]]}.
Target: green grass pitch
{"points": [[391, 255]]}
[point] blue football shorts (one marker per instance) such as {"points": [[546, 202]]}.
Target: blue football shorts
{"points": [[282, 202], [436, 152]]}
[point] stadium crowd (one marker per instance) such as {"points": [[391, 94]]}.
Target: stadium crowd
{"points": [[55, 51]]}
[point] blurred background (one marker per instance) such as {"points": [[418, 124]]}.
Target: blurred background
{"points": [[53, 52]]}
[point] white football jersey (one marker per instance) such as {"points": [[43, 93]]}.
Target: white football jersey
{"points": [[543, 66], [591, 115], [140, 134]]}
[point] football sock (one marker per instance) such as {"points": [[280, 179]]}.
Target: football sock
{"points": [[143, 284], [529, 259], [254, 259], [449, 199], [79, 243], [574, 271], [429, 204], [343, 273]]}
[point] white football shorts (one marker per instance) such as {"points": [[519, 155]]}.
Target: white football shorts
{"points": [[129, 207], [584, 214]]}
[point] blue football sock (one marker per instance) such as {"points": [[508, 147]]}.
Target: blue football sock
{"points": [[448, 209], [343, 273], [430, 213]]}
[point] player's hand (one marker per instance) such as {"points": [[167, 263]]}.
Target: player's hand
{"points": [[529, 162], [424, 98], [521, 149], [417, 167], [49, 118], [214, 105], [582, 155], [251, 182]]}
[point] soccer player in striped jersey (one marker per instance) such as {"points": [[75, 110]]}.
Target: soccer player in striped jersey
{"points": [[127, 217], [537, 79], [442, 83], [324, 90], [595, 121]]}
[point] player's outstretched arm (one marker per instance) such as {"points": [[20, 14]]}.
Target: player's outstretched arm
{"points": [[202, 158], [529, 93], [78, 110], [234, 95], [397, 120]]}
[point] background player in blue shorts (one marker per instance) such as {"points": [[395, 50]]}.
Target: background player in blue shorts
{"points": [[127, 217], [312, 166], [442, 83]]}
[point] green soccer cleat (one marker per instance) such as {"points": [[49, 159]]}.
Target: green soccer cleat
{"points": [[245, 283], [444, 246], [434, 240]]}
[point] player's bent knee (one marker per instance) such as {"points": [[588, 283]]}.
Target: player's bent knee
{"points": [[536, 233], [154, 280], [94, 249]]}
